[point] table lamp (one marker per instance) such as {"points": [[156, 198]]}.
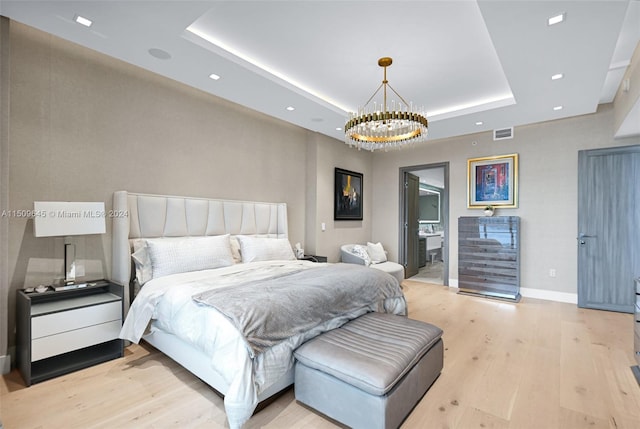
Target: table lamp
{"points": [[65, 218]]}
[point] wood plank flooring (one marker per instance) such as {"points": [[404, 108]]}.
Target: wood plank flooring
{"points": [[535, 364]]}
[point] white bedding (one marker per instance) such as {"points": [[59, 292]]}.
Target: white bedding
{"points": [[167, 301]]}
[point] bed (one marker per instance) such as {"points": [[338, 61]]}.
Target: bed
{"points": [[197, 273]]}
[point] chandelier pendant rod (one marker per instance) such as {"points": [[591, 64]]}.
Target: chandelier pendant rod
{"points": [[385, 82], [399, 96], [373, 95]]}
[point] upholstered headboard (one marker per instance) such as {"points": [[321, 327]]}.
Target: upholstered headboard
{"points": [[151, 216]]}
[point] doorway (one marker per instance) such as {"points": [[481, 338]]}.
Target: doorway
{"points": [[424, 222], [608, 227]]}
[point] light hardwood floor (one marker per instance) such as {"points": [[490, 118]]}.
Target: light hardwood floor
{"points": [[536, 364]]}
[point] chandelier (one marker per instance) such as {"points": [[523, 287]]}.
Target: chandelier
{"points": [[380, 127]]}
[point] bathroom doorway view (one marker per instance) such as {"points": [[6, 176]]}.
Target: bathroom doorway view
{"points": [[423, 246]]}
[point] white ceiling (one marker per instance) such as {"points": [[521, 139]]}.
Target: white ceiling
{"points": [[465, 61]]}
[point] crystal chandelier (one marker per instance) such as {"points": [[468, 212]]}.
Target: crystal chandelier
{"points": [[381, 127]]}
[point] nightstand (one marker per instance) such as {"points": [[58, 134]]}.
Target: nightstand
{"points": [[64, 331], [314, 258]]}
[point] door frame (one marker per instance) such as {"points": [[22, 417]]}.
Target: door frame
{"points": [[402, 245]]}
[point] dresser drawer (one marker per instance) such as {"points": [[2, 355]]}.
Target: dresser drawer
{"points": [[53, 345], [55, 323]]}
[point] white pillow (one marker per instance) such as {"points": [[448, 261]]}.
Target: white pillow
{"points": [[141, 261], [376, 252], [255, 249], [361, 251], [181, 255]]}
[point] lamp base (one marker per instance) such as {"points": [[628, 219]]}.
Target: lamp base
{"points": [[69, 264]]}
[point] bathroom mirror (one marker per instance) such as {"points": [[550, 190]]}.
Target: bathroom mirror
{"points": [[429, 201]]}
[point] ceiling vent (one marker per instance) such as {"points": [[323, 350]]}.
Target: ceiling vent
{"points": [[503, 134]]}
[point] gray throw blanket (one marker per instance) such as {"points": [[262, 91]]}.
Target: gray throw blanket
{"points": [[269, 311]]}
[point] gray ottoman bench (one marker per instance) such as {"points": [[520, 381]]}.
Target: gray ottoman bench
{"points": [[370, 372]]}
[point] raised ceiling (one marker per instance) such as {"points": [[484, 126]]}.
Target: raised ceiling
{"points": [[465, 61]]}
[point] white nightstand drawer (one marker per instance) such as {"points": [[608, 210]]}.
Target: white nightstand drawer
{"points": [[55, 323], [73, 340], [61, 332]]}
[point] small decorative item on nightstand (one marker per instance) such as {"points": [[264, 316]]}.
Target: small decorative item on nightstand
{"points": [[488, 210], [314, 258], [299, 251]]}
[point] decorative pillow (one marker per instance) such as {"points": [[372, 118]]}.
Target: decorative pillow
{"points": [[376, 252], [181, 255], [255, 249], [361, 251], [235, 249], [141, 261]]}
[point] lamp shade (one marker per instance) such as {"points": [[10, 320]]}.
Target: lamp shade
{"points": [[62, 218]]}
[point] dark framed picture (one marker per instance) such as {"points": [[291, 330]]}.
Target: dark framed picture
{"points": [[492, 180], [347, 201]]}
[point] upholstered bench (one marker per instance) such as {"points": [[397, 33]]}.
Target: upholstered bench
{"points": [[370, 372]]}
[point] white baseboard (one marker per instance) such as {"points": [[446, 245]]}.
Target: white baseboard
{"points": [[5, 364], [549, 295]]}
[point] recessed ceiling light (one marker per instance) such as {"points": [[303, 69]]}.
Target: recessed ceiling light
{"points": [[556, 19], [338, 129], [291, 108], [557, 108], [557, 76], [479, 123], [82, 20], [214, 76]]}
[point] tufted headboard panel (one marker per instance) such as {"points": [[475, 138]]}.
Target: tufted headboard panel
{"points": [[152, 216]]}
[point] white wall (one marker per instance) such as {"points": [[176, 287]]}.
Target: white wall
{"points": [[628, 95], [548, 171]]}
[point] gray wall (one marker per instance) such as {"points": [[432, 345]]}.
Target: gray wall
{"points": [[4, 189], [83, 125], [548, 157]]}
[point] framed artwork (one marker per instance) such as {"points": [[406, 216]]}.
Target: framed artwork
{"points": [[347, 200], [492, 180]]}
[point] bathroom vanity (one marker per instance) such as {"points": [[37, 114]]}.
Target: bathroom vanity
{"points": [[430, 248]]}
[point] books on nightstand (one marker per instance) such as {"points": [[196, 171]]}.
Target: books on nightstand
{"points": [[60, 287]]}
